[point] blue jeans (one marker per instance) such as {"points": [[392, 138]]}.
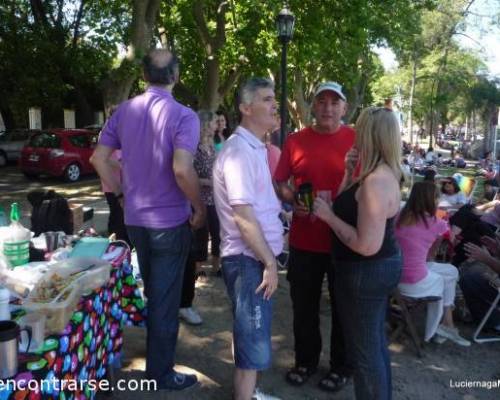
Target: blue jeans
{"points": [[162, 255], [479, 295], [362, 290], [252, 314]]}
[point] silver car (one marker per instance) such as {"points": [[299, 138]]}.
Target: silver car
{"points": [[11, 144]]}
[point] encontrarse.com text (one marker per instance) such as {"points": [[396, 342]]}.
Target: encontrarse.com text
{"points": [[73, 385]]}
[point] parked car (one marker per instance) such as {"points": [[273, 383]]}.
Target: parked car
{"points": [[59, 152], [94, 127], [11, 144]]}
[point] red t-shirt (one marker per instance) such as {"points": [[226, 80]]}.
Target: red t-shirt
{"points": [[309, 156]]}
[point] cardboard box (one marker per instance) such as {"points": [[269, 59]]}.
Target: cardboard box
{"points": [[77, 213]]}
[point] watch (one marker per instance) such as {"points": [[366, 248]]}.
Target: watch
{"points": [[119, 196]]}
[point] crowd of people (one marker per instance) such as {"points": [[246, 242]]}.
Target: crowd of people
{"points": [[186, 182]]}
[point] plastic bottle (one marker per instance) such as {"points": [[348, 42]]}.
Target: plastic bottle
{"points": [[3, 217], [4, 304], [17, 242]]}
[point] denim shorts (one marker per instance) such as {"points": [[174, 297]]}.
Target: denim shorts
{"points": [[251, 312]]}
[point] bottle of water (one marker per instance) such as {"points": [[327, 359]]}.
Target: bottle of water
{"points": [[3, 217], [4, 304], [16, 243]]}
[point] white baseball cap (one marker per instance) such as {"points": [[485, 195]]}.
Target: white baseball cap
{"points": [[333, 86]]}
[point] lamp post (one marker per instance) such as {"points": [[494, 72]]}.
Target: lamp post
{"points": [[284, 23]]}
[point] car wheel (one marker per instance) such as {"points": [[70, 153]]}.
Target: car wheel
{"points": [[29, 175], [72, 173], [3, 159]]}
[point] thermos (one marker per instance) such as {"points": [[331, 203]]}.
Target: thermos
{"points": [[9, 342]]}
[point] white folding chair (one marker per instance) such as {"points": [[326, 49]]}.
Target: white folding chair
{"points": [[484, 339]]}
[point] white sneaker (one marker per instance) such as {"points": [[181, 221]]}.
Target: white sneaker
{"points": [[258, 395], [190, 315], [439, 339], [452, 334]]}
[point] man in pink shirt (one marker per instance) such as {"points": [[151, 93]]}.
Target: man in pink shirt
{"points": [[251, 234]]}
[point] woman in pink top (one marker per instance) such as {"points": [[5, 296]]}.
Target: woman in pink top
{"points": [[418, 231], [273, 154]]}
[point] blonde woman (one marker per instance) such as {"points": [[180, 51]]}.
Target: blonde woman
{"points": [[203, 164], [366, 253]]}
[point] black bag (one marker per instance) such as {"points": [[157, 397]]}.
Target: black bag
{"points": [[51, 212]]}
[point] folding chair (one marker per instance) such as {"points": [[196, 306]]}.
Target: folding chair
{"points": [[467, 186], [496, 284], [402, 309]]}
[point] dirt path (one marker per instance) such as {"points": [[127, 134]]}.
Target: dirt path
{"points": [[206, 350]]}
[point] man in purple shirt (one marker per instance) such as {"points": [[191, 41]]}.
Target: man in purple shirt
{"points": [[158, 138]]}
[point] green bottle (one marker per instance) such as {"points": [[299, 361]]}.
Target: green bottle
{"points": [[15, 215]]}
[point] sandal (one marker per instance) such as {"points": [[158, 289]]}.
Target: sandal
{"points": [[297, 376], [333, 382]]}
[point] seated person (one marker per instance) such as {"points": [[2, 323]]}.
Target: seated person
{"points": [[476, 285], [490, 190], [430, 156], [486, 162], [416, 161], [451, 196], [439, 160], [430, 175], [492, 214], [405, 166], [459, 161], [467, 226], [418, 230]]}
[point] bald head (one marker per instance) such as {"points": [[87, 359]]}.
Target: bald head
{"points": [[161, 67]]}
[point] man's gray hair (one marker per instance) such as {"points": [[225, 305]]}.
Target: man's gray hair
{"points": [[250, 87]]}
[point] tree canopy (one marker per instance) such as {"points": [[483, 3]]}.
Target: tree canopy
{"points": [[85, 54]]}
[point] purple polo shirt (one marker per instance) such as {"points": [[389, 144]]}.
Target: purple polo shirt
{"points": [[148, 129]]}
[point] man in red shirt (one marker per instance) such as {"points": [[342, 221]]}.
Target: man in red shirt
{"points": [[315, 155]]}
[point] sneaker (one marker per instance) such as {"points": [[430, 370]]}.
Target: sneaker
{"points": [[190, 315], [452, 334], [439, 339], [258, 395], [178, 381]]}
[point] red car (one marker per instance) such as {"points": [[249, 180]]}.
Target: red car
{"points": [[59, 152]]}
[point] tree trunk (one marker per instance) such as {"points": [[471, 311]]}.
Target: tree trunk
{"points": [[84, 112], [7, 116], [211, 99], [117, 86], [357, 97], [412, 94], [299, 108], [213, 91]]}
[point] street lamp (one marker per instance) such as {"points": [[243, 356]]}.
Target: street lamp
{"points": [[284, 23]]}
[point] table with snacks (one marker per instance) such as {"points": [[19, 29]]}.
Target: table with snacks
{"points": [[88, 346]]}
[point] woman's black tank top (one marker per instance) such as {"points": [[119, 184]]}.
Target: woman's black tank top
{"points": [[346, 208]]}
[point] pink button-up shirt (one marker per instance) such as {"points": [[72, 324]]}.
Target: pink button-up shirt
{"points": [[241, 177]]}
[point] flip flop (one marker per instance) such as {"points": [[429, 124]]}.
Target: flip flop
{"points": [[333, 382], [297, 376]]}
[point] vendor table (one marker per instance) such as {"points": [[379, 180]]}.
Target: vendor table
{"points": [[90, 343]]}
